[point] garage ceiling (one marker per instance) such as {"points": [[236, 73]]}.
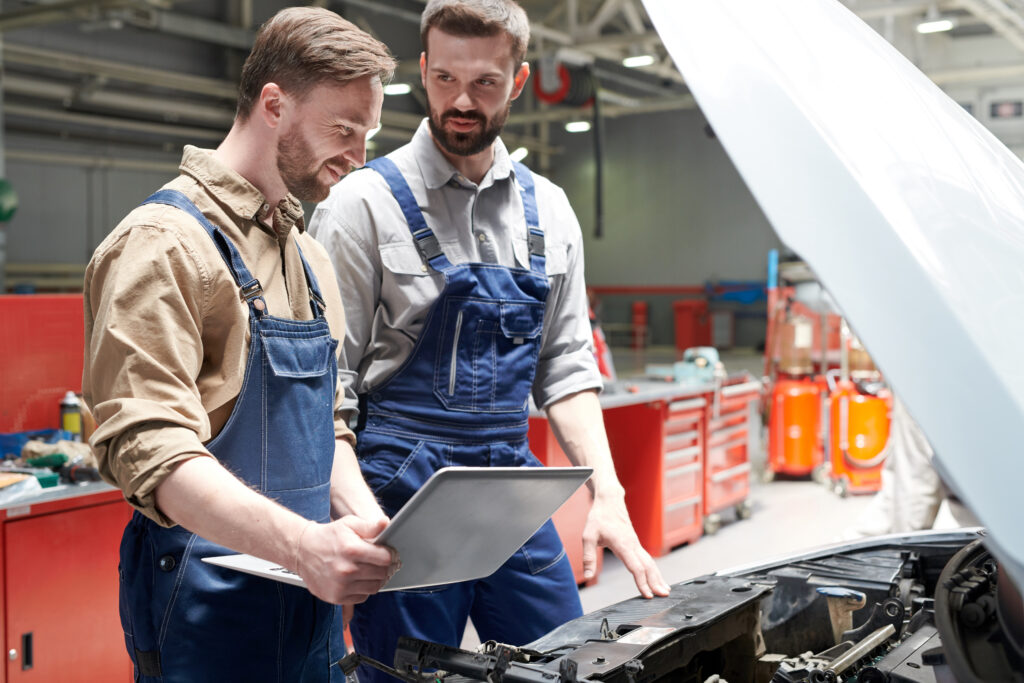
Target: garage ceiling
{"points": [[157, 73]]}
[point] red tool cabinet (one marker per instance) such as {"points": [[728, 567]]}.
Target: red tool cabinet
{"points": [[58, 570], [657, 446], [730, 434]]}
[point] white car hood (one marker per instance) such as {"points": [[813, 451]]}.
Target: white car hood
{"points": [[908, 210]]}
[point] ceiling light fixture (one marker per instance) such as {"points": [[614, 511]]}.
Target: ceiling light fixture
{"points": [[934, 22], [518, 154], [397, 89], [936, 26], [577, 126], [638, 60], [373, 131]]}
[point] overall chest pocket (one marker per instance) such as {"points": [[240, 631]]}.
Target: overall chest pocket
{"points": [[487, 354], [298, 356]]}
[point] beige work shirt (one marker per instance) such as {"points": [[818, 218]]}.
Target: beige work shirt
{"points": [[166, 331]]}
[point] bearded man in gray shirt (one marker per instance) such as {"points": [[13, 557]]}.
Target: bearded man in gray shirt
{"points": [[462, 276]]}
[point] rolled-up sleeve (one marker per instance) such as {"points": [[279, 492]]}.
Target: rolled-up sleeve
{"points": [[145, 294], [566, 364]]}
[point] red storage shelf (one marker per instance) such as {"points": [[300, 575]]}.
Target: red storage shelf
{"points": [[657, 447], [58, 568], [41, 350], [692, 324], [730, 436]]}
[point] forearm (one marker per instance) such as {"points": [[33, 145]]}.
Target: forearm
{"points": [[349, 493], [205, 498], [578, 424]]}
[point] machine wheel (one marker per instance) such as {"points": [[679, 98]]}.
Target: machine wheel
{"points": [[820, 474], [768, 476], [744, 509], [842, 487], [712, 523]]}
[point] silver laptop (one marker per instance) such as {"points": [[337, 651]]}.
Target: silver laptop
{"points": [[463, 524]]}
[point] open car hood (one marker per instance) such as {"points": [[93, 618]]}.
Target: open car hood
{"points": [[908, 210]]}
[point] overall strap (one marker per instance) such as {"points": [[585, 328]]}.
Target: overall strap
{"points": [[316, 299], [423, 236], [250, 287], [535, 235]]}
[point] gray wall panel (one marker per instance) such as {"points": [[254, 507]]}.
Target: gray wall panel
{"points": [[676, 212]]}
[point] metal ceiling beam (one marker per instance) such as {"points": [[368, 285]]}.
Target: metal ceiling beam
{"points": [[605, 13], [67, 10], [973, 75], [993, 12], [555, 115], [381, 8], [165, 130], [186, 26], [87, 161], [166, 108], [121, 71], [896, 8], [1009, 14], [633, 17]]}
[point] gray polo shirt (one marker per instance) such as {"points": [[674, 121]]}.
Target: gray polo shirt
{"points": [[388, 290]]}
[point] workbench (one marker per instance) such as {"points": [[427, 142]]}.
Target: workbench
{"points": [[59, 597]]}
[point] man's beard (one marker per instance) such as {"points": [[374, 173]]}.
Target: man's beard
{"points": [[473, 142], [293, 155]]}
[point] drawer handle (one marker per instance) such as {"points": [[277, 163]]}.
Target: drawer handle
{"points": [[683, 436], [727, 434], [689, 502], [753, 387], [692, 404], [672, 425], [682, 454], [26, 651], [685, 469], [730, 473]]}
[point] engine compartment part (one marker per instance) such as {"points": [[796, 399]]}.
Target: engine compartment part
{"points": [[933, 613]]}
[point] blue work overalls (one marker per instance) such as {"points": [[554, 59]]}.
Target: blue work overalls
{"points": [[461, 399], [189, 621]]}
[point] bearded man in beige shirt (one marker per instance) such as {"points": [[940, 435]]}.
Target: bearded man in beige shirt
{"points": [[212, 322]]}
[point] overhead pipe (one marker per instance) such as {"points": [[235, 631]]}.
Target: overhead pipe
{"points": [[68, 10], [131, 73]]}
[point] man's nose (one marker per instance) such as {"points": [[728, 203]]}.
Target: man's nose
{"points": [[357, 154], [463, 102]]}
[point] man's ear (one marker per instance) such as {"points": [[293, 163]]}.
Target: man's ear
{"points": [[423, 69], [520, 79], [270, 104]]}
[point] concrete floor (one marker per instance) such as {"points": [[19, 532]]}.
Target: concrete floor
{"points": [[788, 516]]}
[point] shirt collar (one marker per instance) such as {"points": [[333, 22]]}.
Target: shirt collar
{"points": [[438, 171], [237, 195]]}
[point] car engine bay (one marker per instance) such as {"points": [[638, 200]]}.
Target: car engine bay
{"points": [[916, 608]]}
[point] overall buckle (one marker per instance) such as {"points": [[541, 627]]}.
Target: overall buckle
{"points": [[251, 290]]}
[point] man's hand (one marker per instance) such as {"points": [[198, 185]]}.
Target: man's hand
{"points": [[338, 562], [608, 526]]}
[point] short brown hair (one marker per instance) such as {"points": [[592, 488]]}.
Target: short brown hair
{"points": [[301, 47], [478, 18]]}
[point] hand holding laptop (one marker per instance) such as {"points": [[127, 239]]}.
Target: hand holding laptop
{"points": [[437, 541], [339, 561]]}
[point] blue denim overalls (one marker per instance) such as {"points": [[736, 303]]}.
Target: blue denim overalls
{"points": [[461, 399], [188, 621]]}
